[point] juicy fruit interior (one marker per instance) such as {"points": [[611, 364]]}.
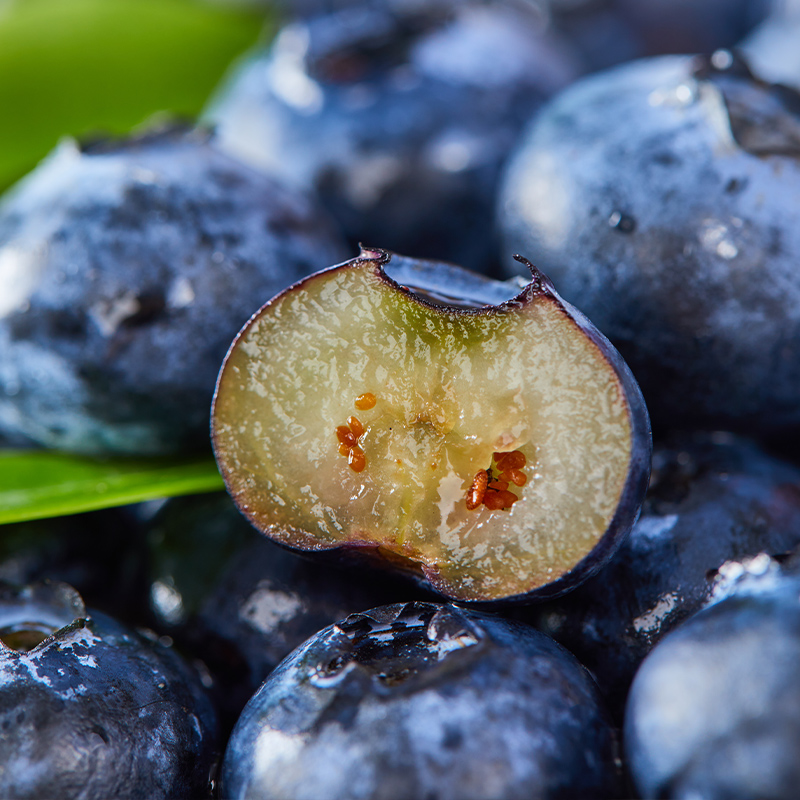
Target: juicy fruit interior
{"points": [[450, 390]]}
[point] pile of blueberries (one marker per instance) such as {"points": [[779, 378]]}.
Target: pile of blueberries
{"points": [[168, 650]]}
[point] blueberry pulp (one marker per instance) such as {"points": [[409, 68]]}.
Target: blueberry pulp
{"points": [[418, 106], [127, 268], [714, 710], [90, 709], [424, 700], [711, 499], [659, 197]]}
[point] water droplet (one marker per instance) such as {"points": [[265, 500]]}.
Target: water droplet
{"points": [[684, 93], [722, 59], [624, 223]]}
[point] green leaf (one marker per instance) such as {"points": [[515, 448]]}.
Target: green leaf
{"points": [[78, 67], [42, 483]]}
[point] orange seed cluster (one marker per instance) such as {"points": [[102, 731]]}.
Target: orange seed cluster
{"points": [[493, 492], [349, 435]]}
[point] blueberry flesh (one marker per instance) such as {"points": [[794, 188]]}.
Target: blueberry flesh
{"points": [[240, 602], [711, 499], [417, 104], [714, 711], [126, 270], [89, 709], [423, 700], [660, 197]]}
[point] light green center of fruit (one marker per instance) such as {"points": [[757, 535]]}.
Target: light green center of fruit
{"points": [[450, 390]]}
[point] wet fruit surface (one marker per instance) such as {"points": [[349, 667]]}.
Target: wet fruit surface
{"points": [[421, 700], [90, 709], [472, 403]]}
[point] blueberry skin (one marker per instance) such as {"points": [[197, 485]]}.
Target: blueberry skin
{"points": [[423, 700], [126, 270], [240, 602], [711, 499], [398, 115], [714, 711], [660, 197], [94, 710]]}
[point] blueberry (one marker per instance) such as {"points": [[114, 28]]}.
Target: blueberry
{"points": [[90, 709], [240, 602], [711, 499], [399, 115], [660, 197], [714, 711], [423, 700], [126, 269]]}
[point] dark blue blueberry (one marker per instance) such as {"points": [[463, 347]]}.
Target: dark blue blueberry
{"points": [[399, 116], [700, 290], [423, 700], [711, 499], [125, 270], [714, 711], [91, 710]]}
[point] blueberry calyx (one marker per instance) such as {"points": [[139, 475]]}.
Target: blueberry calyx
{"points": [[32, 616], [764, 117]]}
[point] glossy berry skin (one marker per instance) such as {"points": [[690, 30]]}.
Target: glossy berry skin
{"points": [[659, 197], [126, 269], [423, 700], [94, 710], [398, 115], [714, 711], [240, 602], [711, 499]]}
